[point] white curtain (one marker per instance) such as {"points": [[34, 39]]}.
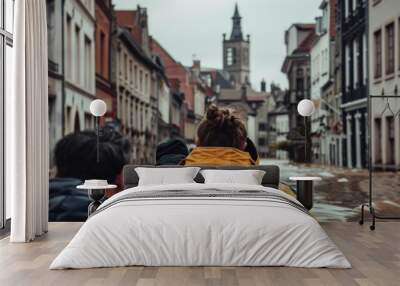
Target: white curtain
{"points": [[27, 124]]}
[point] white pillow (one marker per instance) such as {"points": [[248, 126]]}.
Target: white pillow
{"points": [[247, 177], [166, 176]]}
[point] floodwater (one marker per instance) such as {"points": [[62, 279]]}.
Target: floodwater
{"points": [[337, 197]]}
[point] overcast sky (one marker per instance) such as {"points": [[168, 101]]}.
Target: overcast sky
{"points": [[194, 28]]}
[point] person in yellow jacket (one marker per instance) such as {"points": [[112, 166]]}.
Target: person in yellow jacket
{"points": [[222, 141]]}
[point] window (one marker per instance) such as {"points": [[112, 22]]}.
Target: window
{"points": [[88, 63], [390, 142], [77, 55], [68, 57], [300, 80], [261, 141], [102, 53], [365, 53], [356, 55], [262, 127], [347, 68], [346, 8], [146, 78], [389, 50], [378, 54], [6, 44], [377, 140], [246, 56], [130, 72], [354, 5], [126, 66], [141, 80], [230, 56], [88, 121], [135, 76]]}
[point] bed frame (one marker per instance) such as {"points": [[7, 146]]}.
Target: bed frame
{"points": [[270, 179]]}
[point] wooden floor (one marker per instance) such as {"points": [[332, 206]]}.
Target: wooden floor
{"points": [[375, 257]]}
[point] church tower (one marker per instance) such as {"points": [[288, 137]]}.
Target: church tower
{"points": [[236, 53]]}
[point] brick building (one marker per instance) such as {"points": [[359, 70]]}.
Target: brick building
{"points": [[104, 28], [180, 78], [140, 84]]}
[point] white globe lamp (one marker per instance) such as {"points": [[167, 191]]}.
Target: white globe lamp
{"points": [[98, 107], [305, 107]]}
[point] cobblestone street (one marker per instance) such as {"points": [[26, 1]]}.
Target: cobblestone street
{"points": [[341, 191]]}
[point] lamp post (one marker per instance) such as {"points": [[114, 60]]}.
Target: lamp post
{"points": [[98, 108], [306, 108]]}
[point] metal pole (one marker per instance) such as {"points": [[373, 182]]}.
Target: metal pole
{"points": [[305, 140], [98, 140], [370, 148], [370, 167]]}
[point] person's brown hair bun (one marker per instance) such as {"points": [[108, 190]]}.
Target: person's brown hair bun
{"points": [[212, 112], [221, 127]]}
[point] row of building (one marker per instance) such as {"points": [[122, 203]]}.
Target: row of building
{"points": [[350, 52], [96, 51]]}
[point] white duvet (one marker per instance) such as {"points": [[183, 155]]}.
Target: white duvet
{"points": [[200, 231]]}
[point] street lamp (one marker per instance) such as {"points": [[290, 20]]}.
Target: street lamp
{"points": [[306, 108], [98, 108]]}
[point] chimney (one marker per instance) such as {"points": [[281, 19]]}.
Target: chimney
{"points": [[196, 64], [263, 86]]}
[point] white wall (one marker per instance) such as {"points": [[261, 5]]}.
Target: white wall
{"points": [[164, 103], [251, 128], [199, 102], [385, 12], [79, 63]]}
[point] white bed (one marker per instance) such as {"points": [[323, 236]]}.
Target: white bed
{"points": [[138, 227]]}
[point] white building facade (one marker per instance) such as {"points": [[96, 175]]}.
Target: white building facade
{"points": [[320, 76], [79, 46], [384, 72], [137, 97], [55, 84]]}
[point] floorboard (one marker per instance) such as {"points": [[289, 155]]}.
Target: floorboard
{"points": [[375, 257]]}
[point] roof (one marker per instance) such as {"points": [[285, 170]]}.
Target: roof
{"points": [[218, 77], [306, 45], [230, 95], [304, 26], [303, 48], [236, 34], [255, 96], [135, 48], [250, 95], [128, 19]]}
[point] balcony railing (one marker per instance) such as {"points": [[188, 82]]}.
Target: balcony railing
{"points": [[53, 66], [355, 17]]}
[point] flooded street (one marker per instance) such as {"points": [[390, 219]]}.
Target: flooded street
{"points": [[338, 196]]}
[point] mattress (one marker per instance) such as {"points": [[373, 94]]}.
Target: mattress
{"points": [[201, 225]]}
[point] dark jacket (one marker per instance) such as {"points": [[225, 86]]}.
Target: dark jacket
{"points": [[66, 202], [171, 152]]}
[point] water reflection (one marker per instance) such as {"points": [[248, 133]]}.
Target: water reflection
{"points": [[336, 196]]}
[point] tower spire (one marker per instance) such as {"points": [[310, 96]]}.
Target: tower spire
{"points": [[236, 28]]}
